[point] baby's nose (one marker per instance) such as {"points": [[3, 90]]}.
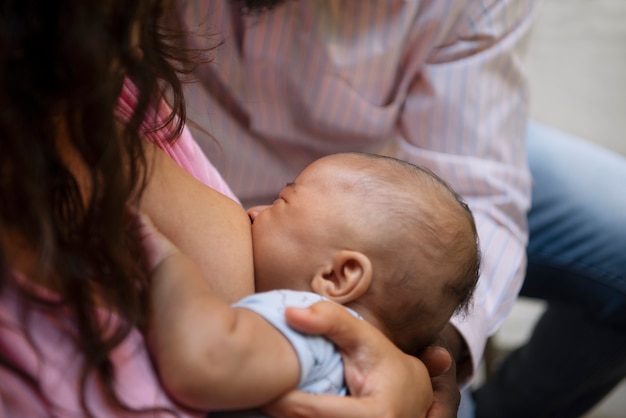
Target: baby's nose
{"points": [[254, 211]]}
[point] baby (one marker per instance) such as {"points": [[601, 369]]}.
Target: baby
{"points": [[386, 239]]}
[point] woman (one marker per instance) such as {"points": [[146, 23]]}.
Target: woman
{"points": [[79, 95]]}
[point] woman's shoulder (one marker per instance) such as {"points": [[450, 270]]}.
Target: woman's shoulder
{"points": [[184, 150]]}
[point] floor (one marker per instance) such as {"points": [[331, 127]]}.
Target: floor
{"points": [[577, 64]]}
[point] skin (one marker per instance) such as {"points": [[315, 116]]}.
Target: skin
{"points": [[363, 380], [193, 228], [440, 358], [315, 237], [447, 395], [231, 273], [296, 237], [213, 356], [224, 363], [215, 238], [188, 355], [437, 360], [379, 373]]}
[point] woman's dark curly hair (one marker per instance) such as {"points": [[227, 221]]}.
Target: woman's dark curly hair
{"points": [[63, 66]]}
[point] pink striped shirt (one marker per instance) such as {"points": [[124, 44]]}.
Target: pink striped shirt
{"points": [[57, 365], [439, 83]]}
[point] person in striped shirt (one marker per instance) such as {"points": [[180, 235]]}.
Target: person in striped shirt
{"points": [[441, 84]]}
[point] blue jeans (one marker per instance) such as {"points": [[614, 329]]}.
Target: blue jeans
{"points": [[577, 263]]}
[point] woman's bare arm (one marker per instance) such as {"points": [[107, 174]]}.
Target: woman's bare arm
{"points": [[211, 229], [215, 232]]}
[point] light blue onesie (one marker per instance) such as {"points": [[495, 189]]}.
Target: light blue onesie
{"points": [[321, 368]]}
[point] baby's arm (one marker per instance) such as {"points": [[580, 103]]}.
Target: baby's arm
{"points": [[210, 355]]}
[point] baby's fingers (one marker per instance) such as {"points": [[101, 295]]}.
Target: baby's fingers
{"points": [[156, 247]]}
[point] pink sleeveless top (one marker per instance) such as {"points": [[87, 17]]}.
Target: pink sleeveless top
{"points": [[57, 366], [185, 151]]}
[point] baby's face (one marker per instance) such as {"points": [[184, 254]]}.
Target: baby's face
{"points": [[295, 234]]}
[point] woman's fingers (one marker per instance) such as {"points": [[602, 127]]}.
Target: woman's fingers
{"points": [[331, 320], [382, 380], [436, 359]]}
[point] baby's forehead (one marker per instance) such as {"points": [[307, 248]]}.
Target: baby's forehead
{"points": [[339, 172], [342, 162], [361, 169], [352, 161]]}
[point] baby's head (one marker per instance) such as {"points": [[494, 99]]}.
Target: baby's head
{"points": [[379, 235]]}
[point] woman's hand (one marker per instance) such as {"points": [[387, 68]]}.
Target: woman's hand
{"points": [[446, 395], [382, 380]]}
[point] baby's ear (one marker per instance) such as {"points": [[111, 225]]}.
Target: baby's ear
{"points": [[346, 279]]}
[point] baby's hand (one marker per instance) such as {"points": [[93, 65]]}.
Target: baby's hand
{"points": [[156, 247]]}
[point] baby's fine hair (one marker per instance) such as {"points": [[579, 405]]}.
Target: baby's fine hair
{"points": [[412, 207]]}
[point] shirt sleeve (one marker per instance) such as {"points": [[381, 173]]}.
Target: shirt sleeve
{"points": [[465, 117], [184, 150]]}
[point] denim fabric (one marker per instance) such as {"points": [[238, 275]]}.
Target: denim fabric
{"points": [[577, 263]]}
